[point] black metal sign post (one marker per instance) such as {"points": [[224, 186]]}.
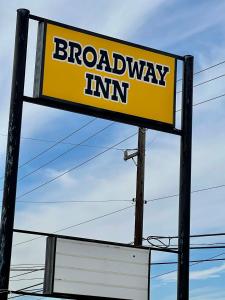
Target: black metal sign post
{"points": [[11, 170], [185, 181]]}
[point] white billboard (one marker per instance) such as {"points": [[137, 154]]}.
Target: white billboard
{"points": [[78, 267]]}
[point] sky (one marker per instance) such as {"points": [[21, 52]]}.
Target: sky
{"points": [[176, 26]]}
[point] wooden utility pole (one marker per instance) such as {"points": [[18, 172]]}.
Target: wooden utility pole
{"points": [[139, 208]]}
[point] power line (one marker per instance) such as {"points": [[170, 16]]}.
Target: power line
{"points": [[23, 269], [210, 67], [32, 265], [114, 212], [209, 80], [73, 201], [59, 141], [208, 100], [26, 273], [56, 143], [18, 296], [119, 200], [163, 245], [206, 69], [212, 257], [192, 192], [64, 143], [24, 279], [65, 152], [74, 167], [204, 82], [26, 288], [192, 261], [192, 236], [204, 101], [81, 223]]}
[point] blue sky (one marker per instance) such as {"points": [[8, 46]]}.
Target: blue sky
{"points": [[181, 27]]}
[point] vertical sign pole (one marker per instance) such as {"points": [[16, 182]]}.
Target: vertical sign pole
{"points": [[11, 170], [185, 181], [139, 209]]}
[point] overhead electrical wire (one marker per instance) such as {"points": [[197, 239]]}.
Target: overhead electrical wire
{"points": [[65, 152], [113, 212], [191, 261], [18, 275], [207, 81], [206, 69], [21, 290], [120, 200], [73, 201], [167, 245], [55, 144], [31, 286], [27, 265], [63, 143], [78, 224], [75, 167], [116, 211], [162, 274], [192, 192], [18, 296], [22, 270], [208, 100], [24, 279], [194, 235]]}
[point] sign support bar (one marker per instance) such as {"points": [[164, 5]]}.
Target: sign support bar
{"points": [[185, 181], [14, 131]]}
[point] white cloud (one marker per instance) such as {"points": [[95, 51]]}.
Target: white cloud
{"points": [[125, 17], [214, 272], [207, 293]]}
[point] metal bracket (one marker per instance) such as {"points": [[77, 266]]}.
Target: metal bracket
{"points": [[131, 155]]}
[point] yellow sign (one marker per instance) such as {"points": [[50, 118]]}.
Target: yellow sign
{"points": [[107, 74]]}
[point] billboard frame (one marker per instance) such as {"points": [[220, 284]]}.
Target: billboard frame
{"points": [[50, 266], [92, 110]]}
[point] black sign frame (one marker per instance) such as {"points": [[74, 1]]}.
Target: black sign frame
{"points": [[64, 104]]}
